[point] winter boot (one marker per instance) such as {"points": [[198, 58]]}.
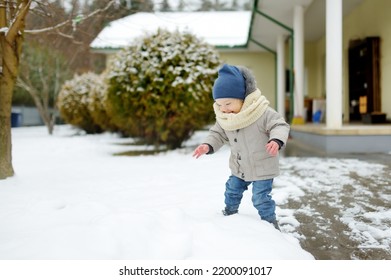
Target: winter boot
{"points": [[227, 212], [275, 224]]}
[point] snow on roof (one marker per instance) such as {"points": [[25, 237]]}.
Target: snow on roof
{"points": [[217, 28]]}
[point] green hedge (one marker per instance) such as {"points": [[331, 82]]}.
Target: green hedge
{"points": [[74, 98], [160, 87]]}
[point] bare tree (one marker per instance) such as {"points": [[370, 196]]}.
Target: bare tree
{"points": [[41, 73], [13, 14]]}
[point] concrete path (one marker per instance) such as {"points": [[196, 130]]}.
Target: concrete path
{"points": [[347, 216]]}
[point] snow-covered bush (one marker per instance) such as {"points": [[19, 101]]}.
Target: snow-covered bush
{"points": [[96, 105], [160, 87], [73, 100]]}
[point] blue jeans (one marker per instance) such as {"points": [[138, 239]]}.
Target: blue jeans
{"points": [[262, 200]]}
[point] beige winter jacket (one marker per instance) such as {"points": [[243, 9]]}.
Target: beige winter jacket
{"points": [[249, 159]]}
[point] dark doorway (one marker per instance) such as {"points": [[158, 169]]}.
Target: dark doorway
{"points": [[364, 78]]}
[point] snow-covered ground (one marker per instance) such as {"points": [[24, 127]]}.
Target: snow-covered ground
{"points": [[72, 197]]}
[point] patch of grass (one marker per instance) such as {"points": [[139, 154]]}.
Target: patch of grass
{"points": [[139, 153]]}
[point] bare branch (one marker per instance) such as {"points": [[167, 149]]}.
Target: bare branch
{"points": [[12, 9], [69, 37], [69, 21], [33, 93], [3, 17], [51, 28], [16, 26], [23, 84]]}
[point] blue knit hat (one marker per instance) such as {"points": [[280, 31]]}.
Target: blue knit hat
{"points": [[230, 83]]}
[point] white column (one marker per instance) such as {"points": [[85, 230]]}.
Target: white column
{"points": [[298, 56], [333, 63], [281, 75]]}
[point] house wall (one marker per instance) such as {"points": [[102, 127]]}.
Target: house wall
{"points": [[314, 74], [109, 58], [29, 116], [370, 18], [263, 66]]}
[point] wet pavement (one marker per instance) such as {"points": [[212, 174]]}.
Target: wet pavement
{"points": [[337, 225]]}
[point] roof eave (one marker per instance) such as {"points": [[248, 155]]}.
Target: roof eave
{"points": [[107, 50]]}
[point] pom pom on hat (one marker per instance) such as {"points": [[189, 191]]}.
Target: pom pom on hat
{"points": [[230, 83]]}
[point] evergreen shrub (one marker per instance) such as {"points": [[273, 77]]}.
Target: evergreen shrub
{"points": [[96, 105], [73, 100], [160, 88]]}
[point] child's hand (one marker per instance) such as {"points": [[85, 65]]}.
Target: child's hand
{"points": [[272, 148], [200, 150]]}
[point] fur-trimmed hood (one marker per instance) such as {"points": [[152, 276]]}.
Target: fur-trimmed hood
{"points": [[250, 82]]}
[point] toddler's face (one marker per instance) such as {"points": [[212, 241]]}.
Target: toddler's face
{"points": [[229, 105]]}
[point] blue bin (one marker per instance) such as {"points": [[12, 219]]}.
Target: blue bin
{"points": [[16, 119], [317, 117]]}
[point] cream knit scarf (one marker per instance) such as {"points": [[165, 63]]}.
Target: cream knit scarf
{"points": [[254, 105]]}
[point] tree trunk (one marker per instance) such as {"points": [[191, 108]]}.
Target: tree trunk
{"points": [[6, 87], [7, 82], [10, 50]]}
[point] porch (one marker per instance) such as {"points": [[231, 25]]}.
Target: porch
{"points": [[350, 138]]}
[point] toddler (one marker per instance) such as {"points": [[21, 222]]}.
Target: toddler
{"points": [[254, 132]]}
